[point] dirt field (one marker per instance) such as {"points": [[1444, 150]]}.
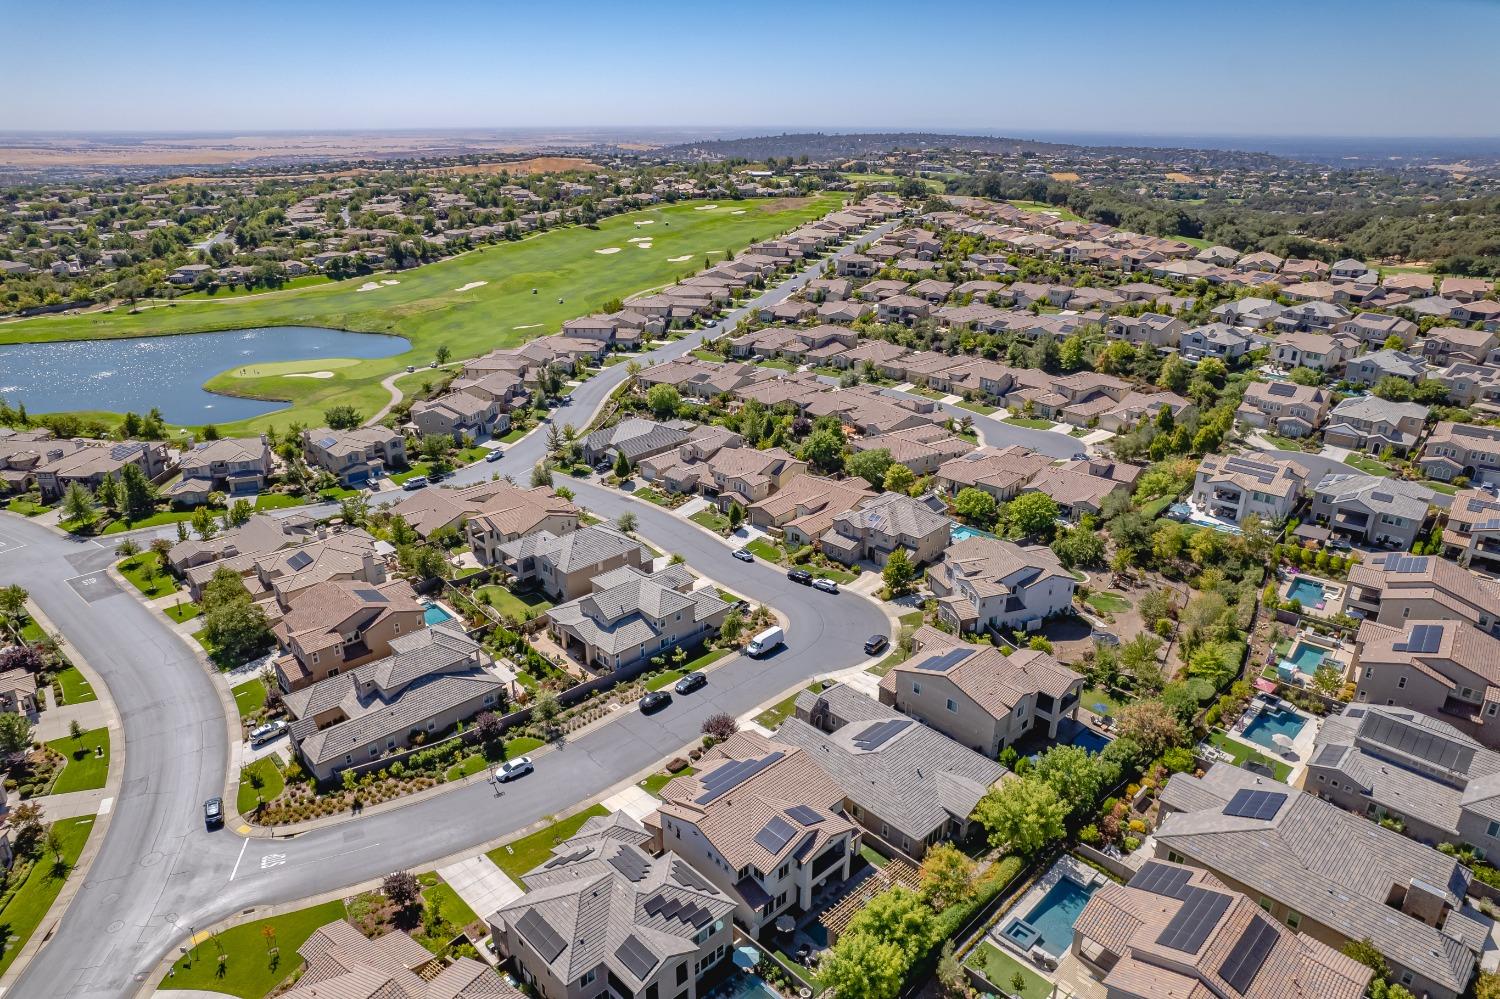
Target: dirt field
{"points": [[1067, 176], [1181, 178], [537, 164]]}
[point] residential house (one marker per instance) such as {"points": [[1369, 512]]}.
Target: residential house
{"points": [[1253, 312], [1465, 289], [632, 615], [1214, 340], [987, 583], [1371, 424], [1319, 351], [922, 449], [465, 415], [1368, 369], [1329, 875], [1393, 588], [564, 567], [354, 456], [339, 960], [1001, 472], [1288, 408], [804, 508], [1472, 535], [1447, 344], [1461, 449], [337, 625], [1149, 327], [1445, 668], [235, 466], [18, 694], [635, 438], [877, 527], [1372, 510], [1234, 487], [1313, 315], [87, 462], [1374, 329], [261, 533], [506, 515]]}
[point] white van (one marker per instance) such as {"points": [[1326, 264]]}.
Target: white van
{"points": [[764, 642]]}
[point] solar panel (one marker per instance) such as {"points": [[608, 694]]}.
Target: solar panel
{"points": [[371, 596], [299, 561], [1423, 639], [654, 904], [631, 864], [1406, 563], [880, 733], [1420, 743], [540, 934], [1162, 879], [775, 835], [804, 815], [635, 956], [805, 847], [946, 661], [327, 442], [727, 778], [685, 875], [1249, 953], [564, 859], [1328, 755], [1250, 804], [1355, 712], [672, 908], [1200, 913]]}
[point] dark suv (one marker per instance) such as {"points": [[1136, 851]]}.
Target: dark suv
{"points": [[800, 576], [874, 644], [213, 813]]}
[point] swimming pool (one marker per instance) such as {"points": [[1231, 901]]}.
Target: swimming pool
{"points": [[1049, 924], [1307, 657], [433, 614], [1307, 592], [1087, 739], [963, 532], [1272, 722]]}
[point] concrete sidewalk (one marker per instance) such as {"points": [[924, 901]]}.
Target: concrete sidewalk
{"points": [[483, 886], [635, 801]]}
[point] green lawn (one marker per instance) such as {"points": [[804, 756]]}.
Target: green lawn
{"points": [[773, 716], [157, 519], [1094, 695], [927, 393], [1446, 488], [1242, 753], [519, 856], [656, 782], [704, 354], [780, 363], [449, 902], [184, 611], [1041, 206], [872, 856], [472, 764], [837, 575], [711, 518], [236, 291], [84, 771], [661, 680], [425, 306], [144, 573], [1154, 508], [25, 507], [977, 407], [25, 909], [76, 688], [1108, 602], [1367, 464], [268, 769], [766, 549], [652, 495], [249, 696], [910, 622], [1026, 421], [1000, 968], [278, 501], [250, 971], [515, 605]]}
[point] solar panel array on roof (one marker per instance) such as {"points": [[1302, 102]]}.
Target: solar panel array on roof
{"points": [[1261, 472], [299, 561], [1406, 563], [540, 934], [805, 847], [122, 451], [775, 835], [732, 775], [1423, 639], [635, 956], [880, 733], [1200, 913], [1328, 755], [1161, 879], [804, 815], [692, 914], [327, 442], [564, 859], [1355, 712], [372, 596], [1491, 524], [1249, 954], [1418, 742], [1251, 804], [631, 863], [684, 874], [946, 661]]}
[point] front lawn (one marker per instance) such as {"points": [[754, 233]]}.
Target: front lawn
{"points": [[84, 771], [519, 856], [76, 688], [711, 518], [250, 970], [1107, 602], [278, 501], [656, 782], [766, 549], [661, 680], [1000, 968], [773, 716], [267, 770], [249, 696], [521, 606], [183, 612], [1367, 464], [25, 507], [1026, 421], [1446, 488], [652, 495], [910, 622], [977, 407], [704, 354], [155, 520], [24, 910], [146, 574], [826, 572], [437, 892], [777, 362]]}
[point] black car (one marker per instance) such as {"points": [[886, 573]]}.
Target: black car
{"points": [[655, 701], [690, 683], [875, 643], [213, 813], [800, 576]]}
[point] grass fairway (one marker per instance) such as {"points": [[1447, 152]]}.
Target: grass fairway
{"points": [[249, 970], [84, 771], [24, 910], [425, 306]]}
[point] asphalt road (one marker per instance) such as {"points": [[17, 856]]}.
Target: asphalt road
{"points": [[159, 874]]}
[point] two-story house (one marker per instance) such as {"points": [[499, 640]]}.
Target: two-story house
{"points": [[1288, 408], [985, 583], [1472, 535], [1394, 588], [877, 527], [1372, 510], [1372, 424], [1461, 449], [1234, 487], [1319, 351], [235, 466], [340, 624], [565, 567], [632, 615], [460, 415], [1445, 668], [354, 456]]}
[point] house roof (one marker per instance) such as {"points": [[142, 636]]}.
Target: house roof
{"points": [[321, 614], [587, 546], [1378, 495], [994, 681], [621, 615], [342, 963]]}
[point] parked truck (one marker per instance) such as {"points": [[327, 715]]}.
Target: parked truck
{"points": [[765, 642]]}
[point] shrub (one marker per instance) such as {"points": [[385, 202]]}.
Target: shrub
{"points": [[676, 765]]}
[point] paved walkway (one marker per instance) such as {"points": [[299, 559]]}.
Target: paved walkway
{"points": [[483, 886], [635, 801], [53, 723], [75, 804]]}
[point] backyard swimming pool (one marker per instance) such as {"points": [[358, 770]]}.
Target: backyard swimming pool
{"points": [[1272, 722], [1307, 657], [963, 532], [435, 615], [1307, 592], [1049, 924]]}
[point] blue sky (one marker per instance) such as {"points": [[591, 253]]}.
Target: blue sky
{"points": [[1310, 68]]}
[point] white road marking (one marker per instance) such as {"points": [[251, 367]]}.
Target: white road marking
{"points": [[106, 806], [271, 860], [238, 859]]}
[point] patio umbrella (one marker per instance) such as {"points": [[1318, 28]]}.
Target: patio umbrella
{"points": [[1099, 708], [1283, 740], [785, 924], [746, 957]]}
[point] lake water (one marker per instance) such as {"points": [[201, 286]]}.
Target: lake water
{"points": [[168, 372]]}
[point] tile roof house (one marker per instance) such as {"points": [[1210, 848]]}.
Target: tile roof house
{"points": [[1373, 510], [1461, 449], [338, 625], [18, 693], [512, 513], [603, 910], [635, 438], [432, 679], [762, 821], [1235, 487], [462, 414], [1476, 385], [1290, 409], [909, 785], [1368, 369], [1373, 329], [978, 695], [1175, 932], [1472, 535], [1369, 423], [1446, 344], [342, 963], [877, 527], [87, 462], [922, 449], [1445, 668], [564, 567], [1214, 340], [1394, 588], [985, 583], [237, 466], [805, 508], [632, 615], [1333, 876], [1001, 472], [260, 534], [354, 456], [1319, 351]]}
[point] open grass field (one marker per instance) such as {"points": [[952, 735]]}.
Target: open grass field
{"points": [[1042, 206], [570, 279], [84, 771], [24, 910]]}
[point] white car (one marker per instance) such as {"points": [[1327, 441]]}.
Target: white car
{"points": [[826, 585], [511, 769], [265, 733]]}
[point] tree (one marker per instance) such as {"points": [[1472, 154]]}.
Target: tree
{"points": [[1077, 775], [342, 417], [898, 915], [443, 353], [1032, 515], [545, 710], [870, 465], [232, 621], [541, 475], [355, 509], [1365, 952], [622, 465], [127, 549], [1022, 815], [1328, 680], [860, 966], [1151, 725], [1487, 985], [947, 876], [204, 524], [423, 561], [824, 450], [162, 549], [402, 888], [240, 512], [26, 823], [137, 495], [950, 974], [898, 572], [1079, 546], [108, 493], [720, 726], [78, 505], [15, 733], [1393, 389], [488, 728], [899, 479], [626, 522], [12, 602], [736, 516], [663, 401], [976, 507]]}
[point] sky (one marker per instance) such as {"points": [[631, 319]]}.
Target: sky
{"points": [[1014, 67]]}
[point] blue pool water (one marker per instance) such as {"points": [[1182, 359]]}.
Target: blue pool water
{"points": [[435, 615], [1052, 918], [1307, 658], [1306, 592], [1273, 722], [963, 532]]}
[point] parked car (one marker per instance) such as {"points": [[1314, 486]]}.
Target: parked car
{"points": [[744, 555], [265, 733], [875, 643], [690, 683], [826, 585], [655, 701], [511, 769], [800, 576], [213, 813], [415, 482], [494, 455], [742, 605]]}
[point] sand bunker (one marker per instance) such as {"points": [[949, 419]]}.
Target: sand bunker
{"points": [[310, 374], [646, 222], [472, 285], [678, 260], [738, 211], [389, 281], [369, 286], [643, 246], [705, 208], [609, 249], [640, 239], [528, 326]]}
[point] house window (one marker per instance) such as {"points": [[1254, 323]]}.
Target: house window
{"points": [[489, 698], [682, 973], [1174, 857], [916, 688], [588, 978], [952, 704], [1265, 904], [1493, 830]]}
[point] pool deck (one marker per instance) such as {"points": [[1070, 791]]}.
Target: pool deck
{"points": [[1334, 593], [1302, 744], [1066, 866]]}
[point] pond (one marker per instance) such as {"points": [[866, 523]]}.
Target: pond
{"points": [[168, 372]]}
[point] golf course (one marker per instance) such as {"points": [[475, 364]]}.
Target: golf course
{"points": [[472, 303]]}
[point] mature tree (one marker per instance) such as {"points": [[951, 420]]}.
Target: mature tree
{"points": [[342, 417], [545, 710], [541, 475], [488, 728], [402, 888], [15, 733], [435, 449], [626, 522], [28, 827], [78, 505], [1151, 725], [899, 479], [898, 572], [240, 512], [1079, 546], [137, 495], [1328, 680], [1365, 952], [27, 657], [1078, 776], [162, 549], [976, 507], [947, 876], [1022, 815], [204, 524], [1156, 604], [232, 621], [12, 602], [1032, 515], [443, 353], [355, 509], [860, 966], [1138, 657], [663, 401], [1394, 389], [720, 726], [870, 465], [899, 915], [108, 493], [824, 450], [1487, 985], [423, 561], [622, 465]]}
